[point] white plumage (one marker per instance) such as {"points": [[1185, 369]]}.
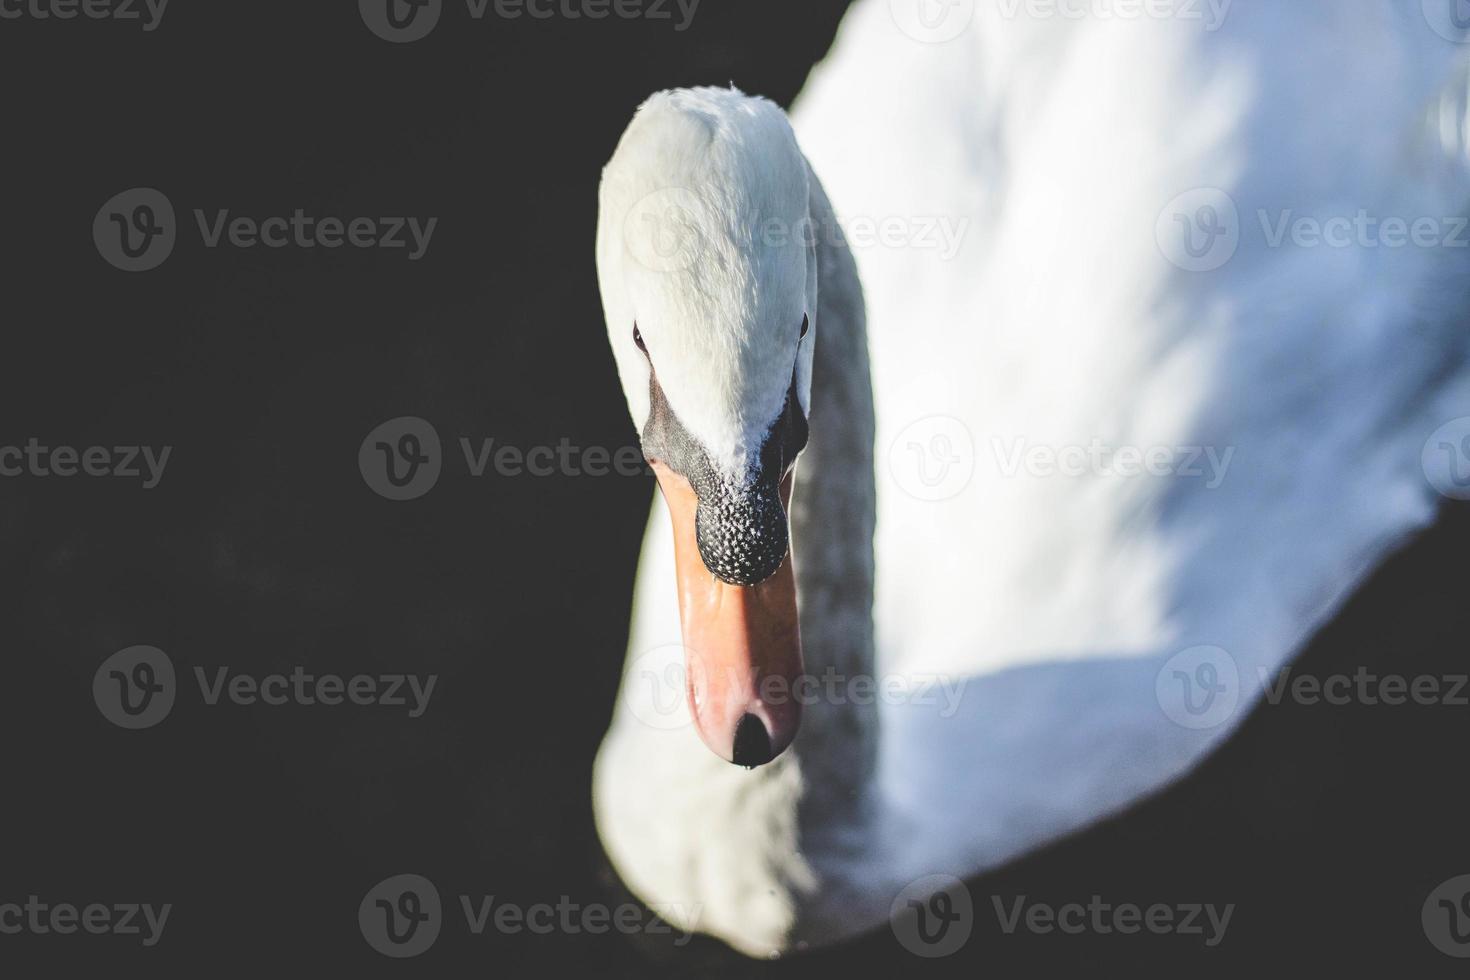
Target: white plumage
{"points": [[719, 299]]}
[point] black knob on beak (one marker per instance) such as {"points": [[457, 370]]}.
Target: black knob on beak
{"points": [[752, 743]]}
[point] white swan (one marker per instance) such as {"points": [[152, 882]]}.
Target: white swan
{"points": [[1130, 203]]}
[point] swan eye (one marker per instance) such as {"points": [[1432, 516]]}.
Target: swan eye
{"points": [[638, 339], [806, 324]]}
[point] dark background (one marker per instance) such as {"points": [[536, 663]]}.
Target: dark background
{"points": [[263, 549]]}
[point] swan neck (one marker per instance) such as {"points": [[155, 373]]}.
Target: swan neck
{"points": [[833, 517]]}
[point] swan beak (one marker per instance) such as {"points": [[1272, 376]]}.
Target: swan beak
{"points": [[742, 644]]}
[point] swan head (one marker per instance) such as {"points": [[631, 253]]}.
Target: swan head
{"points": [[708, 279]]}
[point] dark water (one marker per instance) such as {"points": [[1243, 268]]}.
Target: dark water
{"points": [[262, 550]]}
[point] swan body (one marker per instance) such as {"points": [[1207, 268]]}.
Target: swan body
{"points": [[970, 526]]}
